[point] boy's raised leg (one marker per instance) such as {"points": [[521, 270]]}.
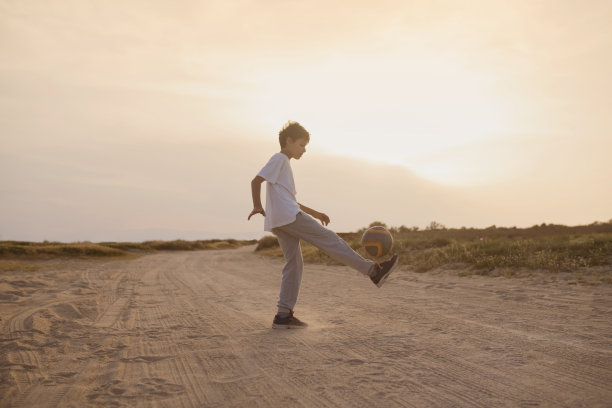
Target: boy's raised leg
{"points": [[308, 229]]}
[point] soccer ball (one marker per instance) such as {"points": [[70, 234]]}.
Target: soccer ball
{"points": [[377, 241]]}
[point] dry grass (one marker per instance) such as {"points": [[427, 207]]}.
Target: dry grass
{"points": [[178, 245], [550, 248], [48, 250], [13, 266], [45, 250]]}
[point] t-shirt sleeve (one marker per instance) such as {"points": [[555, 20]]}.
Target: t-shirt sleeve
{"points": [[272, 170]]}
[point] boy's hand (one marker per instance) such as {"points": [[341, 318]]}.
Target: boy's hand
{"points": [[257, 210], [322, 217], [315, 214]]}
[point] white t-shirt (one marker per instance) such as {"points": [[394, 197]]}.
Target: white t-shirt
{"points": [[281, 204]]}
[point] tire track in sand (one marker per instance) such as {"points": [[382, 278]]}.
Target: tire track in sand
{"points": [[192, 329]]}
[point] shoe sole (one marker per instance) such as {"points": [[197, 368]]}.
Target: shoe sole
{"points": [[287, 326], [384, 278]]}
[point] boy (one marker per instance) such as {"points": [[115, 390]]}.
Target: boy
{"points": [[287, 219]]}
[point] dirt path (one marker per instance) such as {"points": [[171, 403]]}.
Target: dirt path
{"points": [[192, 329]]}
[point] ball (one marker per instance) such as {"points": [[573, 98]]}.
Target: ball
{"points": [[377, 241]]}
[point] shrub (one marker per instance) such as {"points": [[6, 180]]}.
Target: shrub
{"points": [[267, 242], [547, 247]]}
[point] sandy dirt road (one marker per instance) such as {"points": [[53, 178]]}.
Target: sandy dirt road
{"points": [[192, 329]]}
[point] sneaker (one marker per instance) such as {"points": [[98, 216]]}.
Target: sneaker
{"points": [[384, 270], [289, 322]]}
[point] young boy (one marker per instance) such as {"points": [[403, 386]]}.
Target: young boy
{"points": [[288, 220]]}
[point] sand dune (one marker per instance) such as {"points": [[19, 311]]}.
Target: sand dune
{"points": [[192, 329]]}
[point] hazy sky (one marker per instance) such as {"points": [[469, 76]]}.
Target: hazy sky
{"points": [[135, 120]]}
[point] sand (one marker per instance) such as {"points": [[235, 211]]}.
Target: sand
{"points": [[193, 329]]}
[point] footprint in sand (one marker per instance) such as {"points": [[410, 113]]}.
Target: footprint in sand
{"points": [[67, 311], [143, 359], [145, 388]]}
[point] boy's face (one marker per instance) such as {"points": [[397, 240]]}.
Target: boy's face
{"points": [[294, 149]]}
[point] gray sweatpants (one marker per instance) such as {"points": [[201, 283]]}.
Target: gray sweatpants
{"points": [[310, 230]]}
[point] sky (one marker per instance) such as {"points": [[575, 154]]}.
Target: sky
{"points": [[139, 120]]}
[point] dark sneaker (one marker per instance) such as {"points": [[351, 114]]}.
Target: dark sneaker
{"points": [[384, 270], [289, 322]]}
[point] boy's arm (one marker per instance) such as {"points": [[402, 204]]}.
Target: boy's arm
{"points": [[256, 193], [318, 215]]}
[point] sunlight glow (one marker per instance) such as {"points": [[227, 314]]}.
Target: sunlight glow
{"points": [[395, 116]]}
